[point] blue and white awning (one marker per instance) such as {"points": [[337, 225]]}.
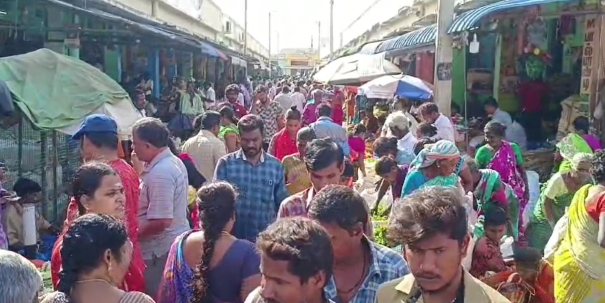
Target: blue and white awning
{"points": [[369, 48], [471, 19], [417, 38]]}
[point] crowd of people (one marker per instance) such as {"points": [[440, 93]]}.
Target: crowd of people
{"points": [[258, 203]]}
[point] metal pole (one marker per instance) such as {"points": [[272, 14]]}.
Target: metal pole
{"points": [[245, 27], [331, 29], [270, 72], [318, 37], [443, 57]]}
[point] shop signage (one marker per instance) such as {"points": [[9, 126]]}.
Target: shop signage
{"points": [[588, 62]]}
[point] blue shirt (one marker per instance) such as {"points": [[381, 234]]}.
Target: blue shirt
{"points": [[386, 265], [324, 127], [260, 188]]}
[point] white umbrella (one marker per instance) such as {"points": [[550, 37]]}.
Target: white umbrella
{"points": [[355, 68], [386, 87]]}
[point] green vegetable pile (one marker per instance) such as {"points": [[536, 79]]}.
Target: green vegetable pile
{"points": [[380, 231]]}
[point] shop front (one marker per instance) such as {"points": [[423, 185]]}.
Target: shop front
{"points": [[530, 58]]}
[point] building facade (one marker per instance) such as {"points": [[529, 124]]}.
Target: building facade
{"points": [[203, 18], [297, 61]]}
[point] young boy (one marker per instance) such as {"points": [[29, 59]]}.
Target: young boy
{"points": [[486, 254], [29, 192]]}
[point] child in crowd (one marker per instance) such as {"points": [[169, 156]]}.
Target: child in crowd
{"points": [[29, 192], [358, 150], [486, 254]]}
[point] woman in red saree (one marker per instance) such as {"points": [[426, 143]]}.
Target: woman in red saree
{"points": [[284, 142], [505, 158], [89, 191]]}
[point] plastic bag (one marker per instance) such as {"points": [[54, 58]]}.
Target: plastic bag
{"points": [[533, 181], [506, 247]]}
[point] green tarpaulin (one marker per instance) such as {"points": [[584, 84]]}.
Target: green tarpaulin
{"points": [[55, 90]]}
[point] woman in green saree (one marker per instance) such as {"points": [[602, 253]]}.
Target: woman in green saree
{"points": [[555, 197], [490, 192]]}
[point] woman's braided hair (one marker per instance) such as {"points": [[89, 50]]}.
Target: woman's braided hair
{"points": [[216, 205]]}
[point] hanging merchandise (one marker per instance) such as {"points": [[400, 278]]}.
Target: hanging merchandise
{"points": [[534, 67], [473, 47]]}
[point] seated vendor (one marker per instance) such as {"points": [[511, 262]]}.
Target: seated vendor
{"points": [[486, 254], [530, 281], [29, 192]]}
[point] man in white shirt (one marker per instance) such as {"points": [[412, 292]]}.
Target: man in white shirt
{"points": [[399, 126], [492, 109], [298, 99], [284, 99], [514, 131], [209, 95], [429, 112]]}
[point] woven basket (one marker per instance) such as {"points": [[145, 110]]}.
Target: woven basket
{"points": [[540, 161]]}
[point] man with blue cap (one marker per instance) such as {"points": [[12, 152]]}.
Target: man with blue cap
{"points": [[98, 136]]}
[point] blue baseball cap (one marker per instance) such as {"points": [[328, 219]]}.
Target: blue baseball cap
{"points": [[96, 123]]}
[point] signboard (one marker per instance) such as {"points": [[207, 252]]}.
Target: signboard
{"points": [[588, 63]]}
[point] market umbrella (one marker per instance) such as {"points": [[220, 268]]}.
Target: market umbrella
{"points": [[386, 87], [355, 69]]}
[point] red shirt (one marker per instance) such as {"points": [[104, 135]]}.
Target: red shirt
{"points": [[238, 109], [337, 113], [133, 281], [284, 145], [531, 93]]}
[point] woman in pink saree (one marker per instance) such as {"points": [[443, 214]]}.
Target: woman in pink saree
{"points": [[505, 158]]}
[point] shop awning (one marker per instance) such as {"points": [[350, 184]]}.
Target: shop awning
{"points": [[114, 18], [369, 48], [238, 61], [417, 38], [211, 51], [469, 20]]}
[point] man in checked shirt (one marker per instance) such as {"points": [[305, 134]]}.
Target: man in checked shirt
{"points": [[258, 178]]}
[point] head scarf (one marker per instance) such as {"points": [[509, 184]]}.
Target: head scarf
{"points": [[442, 150], [571, 145], [580, 158]]}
